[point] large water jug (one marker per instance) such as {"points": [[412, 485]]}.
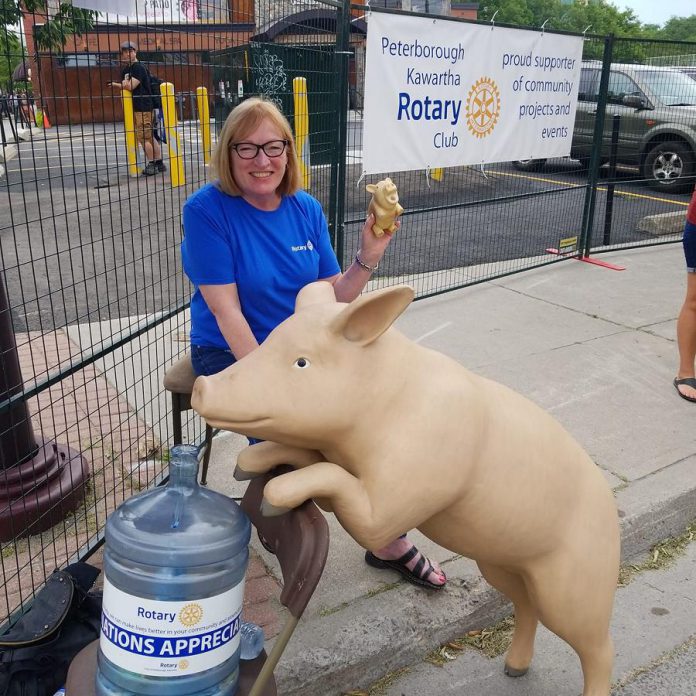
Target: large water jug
{"points": [[174, 565]]}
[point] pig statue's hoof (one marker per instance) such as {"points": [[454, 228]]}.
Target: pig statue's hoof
{"points": [[241, 475], [268, 510], [512, 672]]}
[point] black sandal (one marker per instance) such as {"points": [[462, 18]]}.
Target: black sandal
{"points": [[688, 382], [417, 576]]}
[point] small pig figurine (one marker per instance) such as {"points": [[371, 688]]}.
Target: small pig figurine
{"points": [[384, 204], [392, 436]]}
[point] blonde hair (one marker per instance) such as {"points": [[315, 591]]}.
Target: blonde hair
{"points": [[244, 120]]}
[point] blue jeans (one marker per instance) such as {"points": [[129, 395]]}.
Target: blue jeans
{"points": [[207, 360]]}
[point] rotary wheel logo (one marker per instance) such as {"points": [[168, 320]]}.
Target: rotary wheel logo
{"points": [[191, 614], [482, 107], [183, 664]]}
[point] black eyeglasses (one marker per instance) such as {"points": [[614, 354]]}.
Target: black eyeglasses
{"points": [[273, 148]]}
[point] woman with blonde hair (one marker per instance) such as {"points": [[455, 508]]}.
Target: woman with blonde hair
{"points": [[252, 240]]}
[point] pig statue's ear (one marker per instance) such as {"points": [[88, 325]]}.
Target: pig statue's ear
{"points": [[368, 317], [371, 188], [314, 293]]}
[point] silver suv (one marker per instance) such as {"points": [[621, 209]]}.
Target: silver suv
{"points": [[657, 133]]}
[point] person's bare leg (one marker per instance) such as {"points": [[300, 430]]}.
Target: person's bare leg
{"points": [[149, 152], [686, 336], [156, 150]]}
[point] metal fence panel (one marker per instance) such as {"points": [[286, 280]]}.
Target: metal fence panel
{"points": [[96, 299]]}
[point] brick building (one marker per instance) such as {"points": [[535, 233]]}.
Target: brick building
{"points": [[175, 39]]}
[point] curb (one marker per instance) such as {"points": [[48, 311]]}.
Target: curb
{"points": [[662, 224], [8, 152], [379, 634]]}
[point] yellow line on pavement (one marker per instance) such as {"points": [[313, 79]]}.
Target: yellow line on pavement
{"points": [[540, 178], [599, 188], [643, 195]]}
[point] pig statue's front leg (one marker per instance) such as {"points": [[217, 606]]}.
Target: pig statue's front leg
{"points": [[257, 459], [334, 488]]}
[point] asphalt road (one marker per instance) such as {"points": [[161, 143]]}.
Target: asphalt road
{"points": [[82, 241]]}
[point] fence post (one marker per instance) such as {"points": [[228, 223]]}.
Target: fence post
{"points": [[337, 194], [301, 123], [204, 117], [595, 159], [129, 126], [176, 159], [609, 212]]}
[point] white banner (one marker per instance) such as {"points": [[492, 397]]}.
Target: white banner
{"points": [[440, 93], [149, 11]]}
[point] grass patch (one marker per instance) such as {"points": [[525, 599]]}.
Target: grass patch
{"points": [[492, 642], [327, 611], [384, 588], [661, 555], [379, 688]]}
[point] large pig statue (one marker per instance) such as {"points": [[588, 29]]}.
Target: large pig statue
{"points": [[393, 436]]}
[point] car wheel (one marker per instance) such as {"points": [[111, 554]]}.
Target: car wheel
{"points": [[529, 165], [669, 166]]}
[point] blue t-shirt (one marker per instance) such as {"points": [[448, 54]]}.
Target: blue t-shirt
{"points": [[270, 256]]}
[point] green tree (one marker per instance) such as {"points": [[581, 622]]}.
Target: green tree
{"points": [[602, 17], [508, 12], [10, 55], [680, 29], [68, 21]]}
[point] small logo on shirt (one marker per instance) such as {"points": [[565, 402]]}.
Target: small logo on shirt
{"points": [[303, 247]]}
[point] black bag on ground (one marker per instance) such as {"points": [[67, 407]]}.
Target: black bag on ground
{"points": [[36, 652]]}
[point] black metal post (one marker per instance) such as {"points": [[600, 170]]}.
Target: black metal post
{"points": [[40, 482], [593, 174], [337, 193], [17, 442], [609, 210]]}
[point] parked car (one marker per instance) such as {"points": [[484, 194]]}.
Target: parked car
{"points": [[657, 133], [689, 70]]}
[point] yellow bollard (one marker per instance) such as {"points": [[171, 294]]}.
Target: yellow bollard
{"points": [[437, 174], [176, 158], [204, 116], [129, 126], [299, 88]]}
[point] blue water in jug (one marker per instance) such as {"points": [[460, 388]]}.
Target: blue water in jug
{"points": [[174, 564]]}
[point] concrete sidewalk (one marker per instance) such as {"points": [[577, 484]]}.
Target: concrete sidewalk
{"points": [[596, 348]]}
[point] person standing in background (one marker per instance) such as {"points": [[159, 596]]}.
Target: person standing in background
{"points": [[685, 381], [136, 78]]}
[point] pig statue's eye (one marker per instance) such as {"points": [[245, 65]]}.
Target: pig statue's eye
{"points": [[302, 362]]}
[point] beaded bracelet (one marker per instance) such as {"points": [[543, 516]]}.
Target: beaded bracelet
{"points": [[362, 264]]}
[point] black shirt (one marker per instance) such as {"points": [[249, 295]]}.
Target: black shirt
{"points": [[142, 101]]}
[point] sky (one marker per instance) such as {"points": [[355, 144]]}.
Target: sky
{"points": [[657, 11]]}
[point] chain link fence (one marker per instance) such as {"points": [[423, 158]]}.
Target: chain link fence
{"points": [[95, 301]]}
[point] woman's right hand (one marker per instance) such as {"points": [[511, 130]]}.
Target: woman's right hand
{"points": [[372, 247]]}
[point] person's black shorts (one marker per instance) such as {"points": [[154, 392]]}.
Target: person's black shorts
{"points": [[690, 247]]}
